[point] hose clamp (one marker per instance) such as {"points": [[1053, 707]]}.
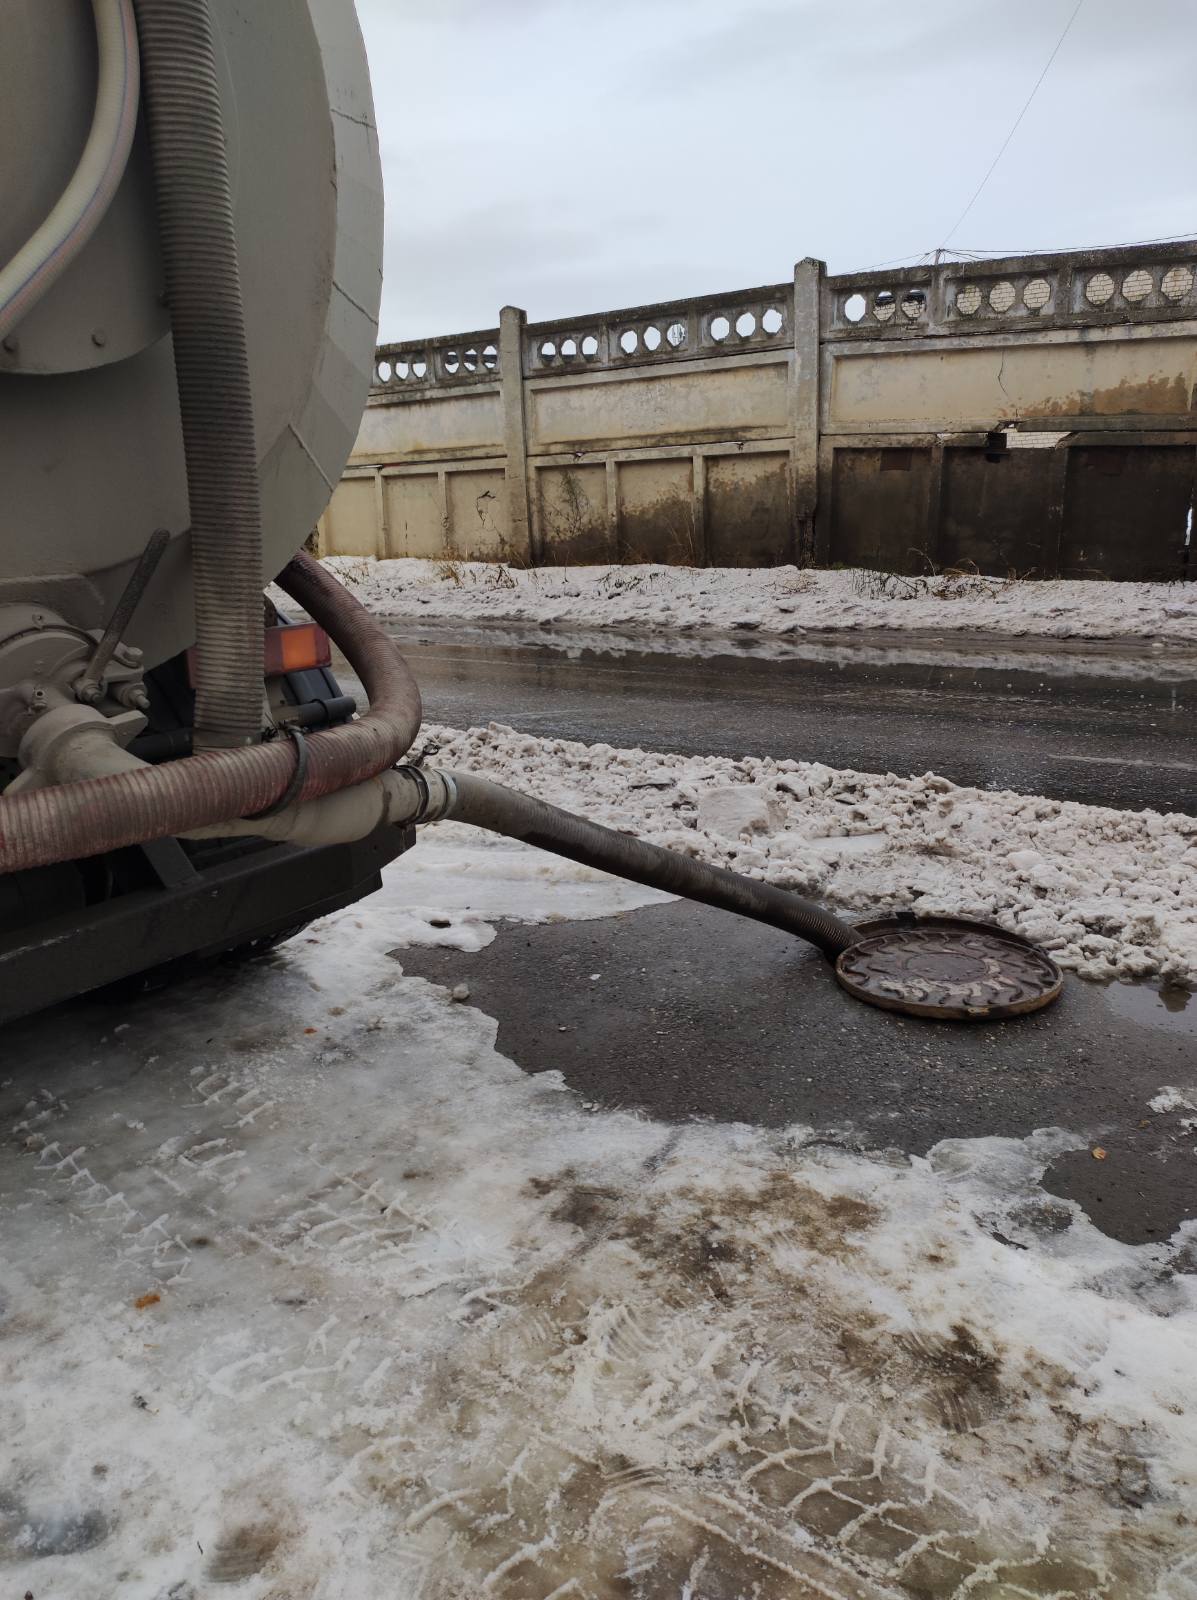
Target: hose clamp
{"points": [[292, 792], [429, 810]]}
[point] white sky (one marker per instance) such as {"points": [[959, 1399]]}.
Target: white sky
{"points": [[577, 155]]}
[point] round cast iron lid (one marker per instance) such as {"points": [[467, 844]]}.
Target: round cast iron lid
{"points": [[953, 970]]}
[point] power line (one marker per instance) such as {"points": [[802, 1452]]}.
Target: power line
{"points": [[917, 255], [963, 252], [1056, 249], [1014, 129]]}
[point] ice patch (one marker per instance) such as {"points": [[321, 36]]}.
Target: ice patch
{"points": [[366, 1310], [737, 812]]}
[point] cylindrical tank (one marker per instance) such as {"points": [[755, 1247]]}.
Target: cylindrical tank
{"points": [[91, 458]]}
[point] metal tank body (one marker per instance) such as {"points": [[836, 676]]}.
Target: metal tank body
{"points": [[91, 456]]}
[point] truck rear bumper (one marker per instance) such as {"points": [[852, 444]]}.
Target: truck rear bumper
{"points": [[193, 912]]}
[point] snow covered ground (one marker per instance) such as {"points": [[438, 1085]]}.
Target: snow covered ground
{"points": [[307, 1293], [777, 600], [1112, 894]]}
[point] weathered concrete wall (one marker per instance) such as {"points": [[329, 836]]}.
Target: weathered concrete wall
{"points": [[1106, 375], [1037, 414]]}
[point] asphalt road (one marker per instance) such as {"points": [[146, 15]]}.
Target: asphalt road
{"points": [[687, 1012], [1107, 726]]}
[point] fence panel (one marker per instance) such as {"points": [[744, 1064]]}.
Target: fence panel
{"points": [[1033, 414]]}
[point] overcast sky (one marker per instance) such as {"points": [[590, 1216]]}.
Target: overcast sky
{"points": [[578, 155]]}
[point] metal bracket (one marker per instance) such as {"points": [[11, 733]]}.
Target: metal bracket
{"points": [[90, 687], [169, 862]]}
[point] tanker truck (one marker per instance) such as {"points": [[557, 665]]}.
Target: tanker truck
{"points": [[190, 276], [190, 272]]}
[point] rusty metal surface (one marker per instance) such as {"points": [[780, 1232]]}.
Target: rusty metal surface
{"points": [[948, 968]]}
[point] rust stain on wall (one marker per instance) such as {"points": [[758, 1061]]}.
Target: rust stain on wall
{"points": [[1157, 397]]}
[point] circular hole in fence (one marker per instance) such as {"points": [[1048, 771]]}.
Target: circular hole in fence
{"points": [[419, 369], [652, 337], [490, 357], [451, 361], [628, 341], [883, 305], [589, 346], [854, 308], [1136, 286], [1036, 294], [913, 303], [470, 361], [569, 348], [1177, 282], [968, 300], [746, 324], [1099, 289], [1001, 296], [676, 334], [548, 350], [720, 328], [771, 321], [382, 372]]}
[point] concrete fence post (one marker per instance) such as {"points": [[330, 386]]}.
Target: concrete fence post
{"points": [[808, 279], [512, 322]]}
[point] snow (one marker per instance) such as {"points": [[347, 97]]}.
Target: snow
{"points": [[1111, 894], [737, 811], [308, 1293], [1172, 1099], [774, 600]]}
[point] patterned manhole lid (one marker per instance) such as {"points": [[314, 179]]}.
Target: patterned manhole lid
{"points": [[949, 971]]}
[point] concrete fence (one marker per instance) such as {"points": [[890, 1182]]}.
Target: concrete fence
{"points": [[1035, 415]]}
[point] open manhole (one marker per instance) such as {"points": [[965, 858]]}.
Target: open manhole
{"points": [[947, 967]]}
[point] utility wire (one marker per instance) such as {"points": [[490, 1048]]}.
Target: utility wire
{"points": [[1051, 250], [1014, 129], [898, 261], [961, 252]]}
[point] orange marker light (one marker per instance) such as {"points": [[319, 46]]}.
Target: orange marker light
{"points": [[294, 647]]}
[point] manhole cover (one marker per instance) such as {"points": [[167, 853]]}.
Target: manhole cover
{"points": [[953, 970]]}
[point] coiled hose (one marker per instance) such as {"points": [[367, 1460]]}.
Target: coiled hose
{"points": [[203, 285], [488, 805], [67, 821], [82, 204]]}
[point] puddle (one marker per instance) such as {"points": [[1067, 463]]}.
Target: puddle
{"points": [[1169, 1010], [951, 660]]}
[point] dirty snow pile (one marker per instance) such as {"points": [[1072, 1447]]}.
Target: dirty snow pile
{"points": [[308, 1292], [778, 600], [1111, 894]]}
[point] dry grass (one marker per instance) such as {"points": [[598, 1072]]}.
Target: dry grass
{"points": [[963, 582]]}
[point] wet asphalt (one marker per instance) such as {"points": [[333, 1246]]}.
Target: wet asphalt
{"points": [[1107, 725], [683, 1012], [697, 1014]]}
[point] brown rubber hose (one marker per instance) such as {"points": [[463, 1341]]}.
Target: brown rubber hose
{"points": [[62, 823]]}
